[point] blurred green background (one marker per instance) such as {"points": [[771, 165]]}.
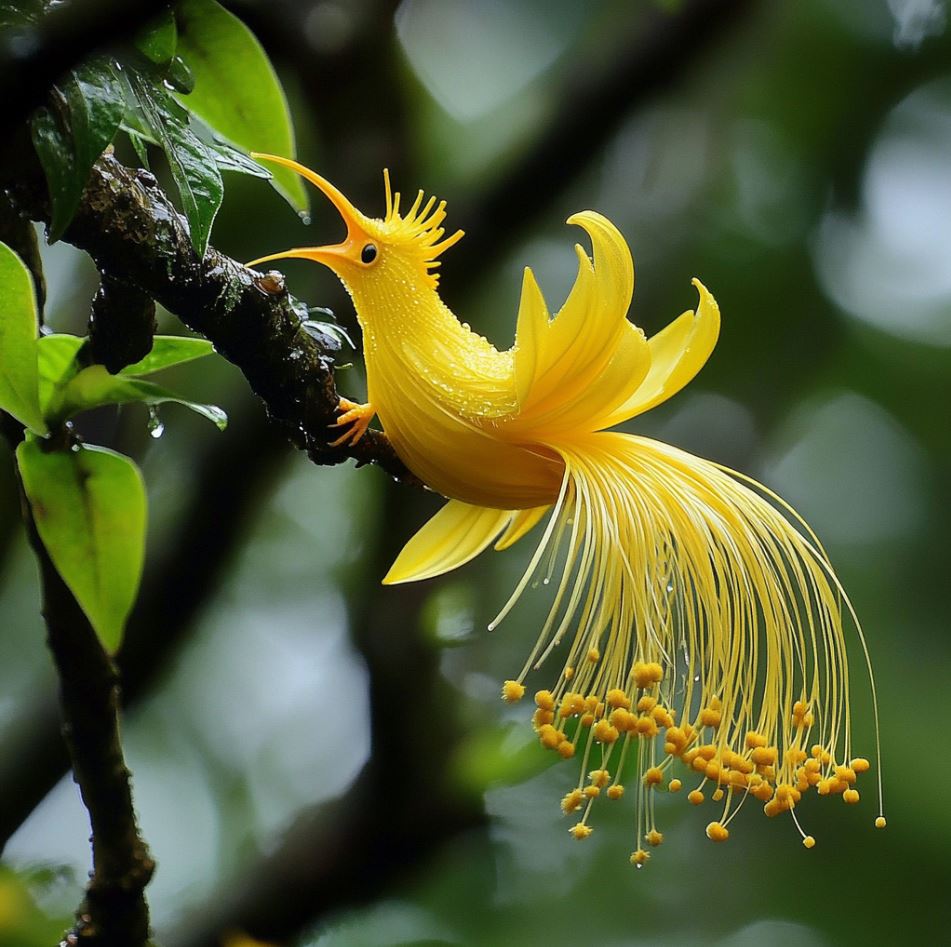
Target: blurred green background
{"points": [[800, 165]]}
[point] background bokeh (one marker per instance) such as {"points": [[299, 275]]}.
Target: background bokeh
{"points": [[801, 166]]}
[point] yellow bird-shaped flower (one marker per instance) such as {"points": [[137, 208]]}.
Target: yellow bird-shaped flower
{"points": [[696, 622]]}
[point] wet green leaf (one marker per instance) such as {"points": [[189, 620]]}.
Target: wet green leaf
{"points": [[230, 159], [192, 163], [19, 381], [168, 350], [94, 387], [57, 362], [158, 43], [89, 505], [236, 91], [72, 131]]}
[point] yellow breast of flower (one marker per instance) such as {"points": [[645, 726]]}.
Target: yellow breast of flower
{"points": [[446, 396]]}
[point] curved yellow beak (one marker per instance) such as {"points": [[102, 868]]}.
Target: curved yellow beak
{"points": [[348, 249]]}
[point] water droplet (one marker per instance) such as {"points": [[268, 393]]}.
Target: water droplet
{"points": [[638, 866], [155, 425], [670, 587], [696, 678], [304, 217], [546, 580]]}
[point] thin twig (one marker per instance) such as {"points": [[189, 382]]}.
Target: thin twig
{"points": [[114, 912]]}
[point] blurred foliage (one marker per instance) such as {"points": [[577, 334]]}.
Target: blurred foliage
{"points": [[802, 172]]}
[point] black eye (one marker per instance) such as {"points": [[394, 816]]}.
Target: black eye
{"points": [[368, 253]]}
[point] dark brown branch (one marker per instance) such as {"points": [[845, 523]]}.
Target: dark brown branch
{"points": [[213, 524], [35, 56], [114, 912], [127, 224], [121, 324]]}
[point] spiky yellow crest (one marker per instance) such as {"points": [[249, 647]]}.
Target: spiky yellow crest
{"points": [[418, 232]]}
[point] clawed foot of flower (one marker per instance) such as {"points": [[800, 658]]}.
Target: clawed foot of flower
{"points": [[358, 416]]}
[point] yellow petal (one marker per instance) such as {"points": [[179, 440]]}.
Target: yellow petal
{"points": [[456, 534], [677, 353], [521, 523], [558, 362]]}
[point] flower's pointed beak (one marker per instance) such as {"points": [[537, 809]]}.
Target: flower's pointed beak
{"points": [[331, 255]]}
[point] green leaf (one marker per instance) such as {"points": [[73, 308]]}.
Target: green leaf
{"points": [[72, 133], [499, 756], [57, 358], [158, 43], [94, 387], [192, 164], [90, 510], [230, 159], [168, 350], [19, 380], [236, 91]]}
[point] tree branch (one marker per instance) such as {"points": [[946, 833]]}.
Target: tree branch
{"points": [[127, 224], [121, 324], [114, 912]]}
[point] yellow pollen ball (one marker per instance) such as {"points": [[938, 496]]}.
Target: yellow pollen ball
{"points": [[861, 765], [851, 796], [754, 740], [809, 841], [675, 785], [569, 673], [605, 733], [512, 691], [880, 822], [581, 831], [646, 704], [695, 797], [615, 792], [653, 776], [717, 832], [572, 801], [594, 655], [587, 720], [639, 858], [599, 777], [709, 718], [541, 717], [717, 795], [544, 700], [592, 792], [549, 736], [654, 837], [646, 726], [623, 719], [617, 698], [566, 749]]}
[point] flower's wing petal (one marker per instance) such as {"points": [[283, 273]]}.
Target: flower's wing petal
{"points": [[677, 353], [456, 534], [521, 523], [557, 362]]}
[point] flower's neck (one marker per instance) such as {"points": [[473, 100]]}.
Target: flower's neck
{"points": [[399, 313]]}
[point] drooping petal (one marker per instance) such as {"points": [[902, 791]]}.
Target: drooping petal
{"points": [[677, 353], [522, 522], [456, 534]]}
